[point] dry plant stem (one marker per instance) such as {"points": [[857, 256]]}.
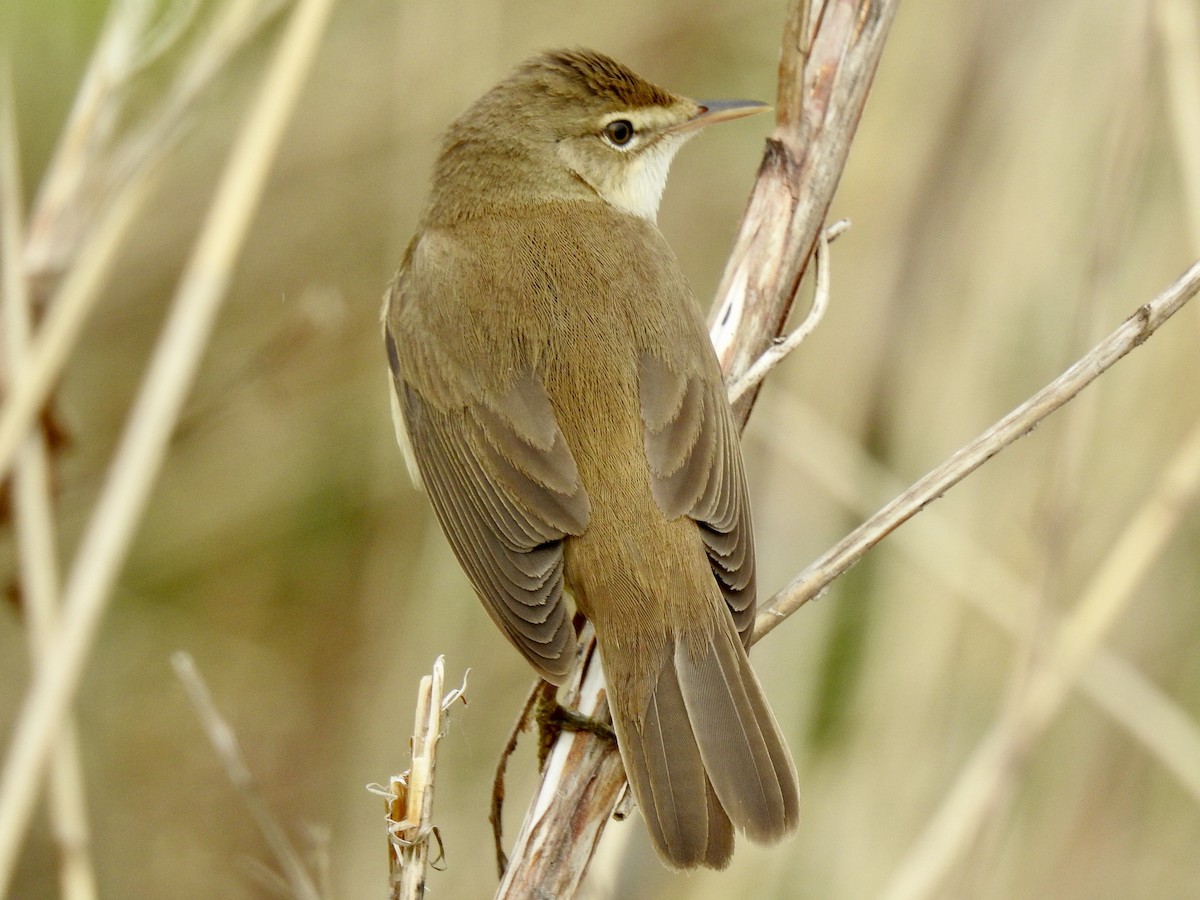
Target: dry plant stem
{"points": [[86, 165], [828, 60], [143, 443], [581, 783], [225, 743], [842, 468], [782, 348], [979, 785], [824, 78], [64, 209], [35, 528], [94, 113], [1131, 333], [235, 23], [410, 815], [63, 323]]}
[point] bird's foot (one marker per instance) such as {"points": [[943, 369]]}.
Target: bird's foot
{"points": [[553, 719]]}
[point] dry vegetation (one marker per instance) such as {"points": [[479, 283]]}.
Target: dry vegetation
{"points": [[1025, 176]]}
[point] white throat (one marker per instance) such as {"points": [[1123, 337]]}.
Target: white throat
{"points": [[637, 188]]}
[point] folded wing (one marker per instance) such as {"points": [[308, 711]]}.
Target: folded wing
{"points": [[696, 471], [507, 491]]}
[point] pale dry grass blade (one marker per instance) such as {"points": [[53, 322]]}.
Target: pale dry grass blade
{"points": [[152, 419], [235, 23], [92, 161], [1178, 23], [33, 513], [945, 552], [59, 215], [58, 333], [978, 786], [65, 224]]}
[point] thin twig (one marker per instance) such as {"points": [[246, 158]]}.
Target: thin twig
{"points": [[496, 814], [151, 421], [783, 347], [1131, 333], [932, 541], [225, 743]]}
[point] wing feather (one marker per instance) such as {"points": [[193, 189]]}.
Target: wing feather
{"points": [[696, 471], [507, 491]]}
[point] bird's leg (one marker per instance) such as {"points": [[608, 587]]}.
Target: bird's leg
{"points": [[553, 718]]}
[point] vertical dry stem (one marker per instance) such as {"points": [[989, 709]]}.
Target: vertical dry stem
{"points": [[34, 515], [410, 797], [151, 421]]}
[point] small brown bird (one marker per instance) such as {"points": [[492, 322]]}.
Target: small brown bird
{"points": [[558, 393]]}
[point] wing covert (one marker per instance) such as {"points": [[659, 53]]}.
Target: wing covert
{"points": [[696, 471]]}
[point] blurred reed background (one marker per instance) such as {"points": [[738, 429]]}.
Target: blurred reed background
{"points": [[1018, 185]]}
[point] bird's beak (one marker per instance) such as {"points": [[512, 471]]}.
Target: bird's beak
{"points": [[713, 111]]}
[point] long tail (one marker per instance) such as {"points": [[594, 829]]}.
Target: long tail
{"points": [[707, 756]]}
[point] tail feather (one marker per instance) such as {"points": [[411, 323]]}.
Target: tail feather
{"points": [[706, 755], [720, 831], [744, 754], [666, 772]]}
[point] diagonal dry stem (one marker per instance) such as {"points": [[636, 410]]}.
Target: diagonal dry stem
{"points": [[841, 466], [1130, 334], [979, 784], [299, 883]]}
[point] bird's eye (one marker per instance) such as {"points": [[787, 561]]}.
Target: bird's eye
{"points": [[619, 132]]}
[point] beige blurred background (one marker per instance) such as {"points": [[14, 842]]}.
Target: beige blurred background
{"points": [[1015, 190]]}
